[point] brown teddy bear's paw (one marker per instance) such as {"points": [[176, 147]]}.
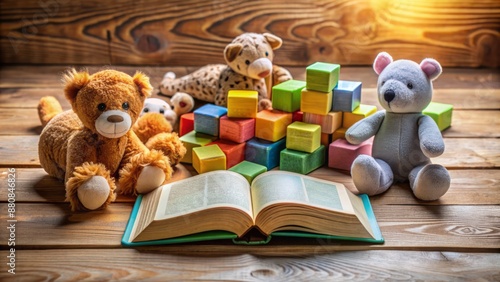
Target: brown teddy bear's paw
{"points": [[142, 170], [265, 104], [91, 187], [150, 178], [170, 145]]}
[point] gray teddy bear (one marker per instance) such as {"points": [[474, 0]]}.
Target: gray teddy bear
{"points": [[405, 138]]}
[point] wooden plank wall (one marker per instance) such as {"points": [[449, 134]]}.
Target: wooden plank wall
{"points": [[462, 33]]}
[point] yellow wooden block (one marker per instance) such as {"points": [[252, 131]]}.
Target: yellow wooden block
{"points": [[358, 114], [271, 124], [208, 158], [316, 102], [242, 103], [304, 137], [339, 134]]}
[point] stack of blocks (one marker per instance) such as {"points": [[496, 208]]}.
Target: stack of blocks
{"points": [[308, 117]]}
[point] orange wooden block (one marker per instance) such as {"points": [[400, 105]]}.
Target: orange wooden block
{"points": [[339, 134], [271, 124]]}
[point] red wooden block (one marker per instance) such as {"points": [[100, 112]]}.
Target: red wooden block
{"points": [[186, 123], [235, 152], [297, 116], [237, 130], [341, 154]]}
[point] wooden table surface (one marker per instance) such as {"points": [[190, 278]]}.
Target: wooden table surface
{"points": [[454, 238]]}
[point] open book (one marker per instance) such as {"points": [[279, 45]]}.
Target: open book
{"points": [[222, 204]]}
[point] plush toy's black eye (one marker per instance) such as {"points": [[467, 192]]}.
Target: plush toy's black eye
{"points": [[267, 54], [382, 84], [162, 111], [145, 110], [101, 107], [247, 62], [409, 85], [125, 106]]}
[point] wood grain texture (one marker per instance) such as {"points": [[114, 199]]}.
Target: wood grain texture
{"points": [[457, 33], [133, 265]]}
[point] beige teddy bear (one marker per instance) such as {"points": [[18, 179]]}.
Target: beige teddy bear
{"points": [[249, 67]]}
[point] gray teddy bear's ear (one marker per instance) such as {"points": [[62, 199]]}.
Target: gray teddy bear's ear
{"points": [[382, 60], [431, 68]]}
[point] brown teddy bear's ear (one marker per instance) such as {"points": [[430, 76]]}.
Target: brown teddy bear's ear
{"points": [[232, 50], [74, 81], [273, 40], [142, 82]]}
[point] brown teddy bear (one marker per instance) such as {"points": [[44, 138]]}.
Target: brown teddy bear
{"points": [[249, 66], [93, 143]]}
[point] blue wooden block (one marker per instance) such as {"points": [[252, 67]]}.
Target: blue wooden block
{"points": [[206, 119], [264, 152], [346, 96]]}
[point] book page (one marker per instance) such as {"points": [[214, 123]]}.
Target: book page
{"points": [[279, 186], [212, 189]]}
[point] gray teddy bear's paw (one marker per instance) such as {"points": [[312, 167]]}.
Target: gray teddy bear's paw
{"points": [[371, 176], [431, 182]]}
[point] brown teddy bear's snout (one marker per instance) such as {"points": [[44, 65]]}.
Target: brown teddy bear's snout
{"points": [[113, 123]]}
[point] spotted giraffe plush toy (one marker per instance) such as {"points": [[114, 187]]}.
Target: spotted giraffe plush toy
{"points": [[249, 67]]}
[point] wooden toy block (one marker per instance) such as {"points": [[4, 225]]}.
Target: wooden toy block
{"points": [[237, 130], [326, 139], [271, 124], [235, 152], [342, 154], [302, 162], [329, 122], [346, 96], [208, 158], [186, 124], [304, 137], [316, 102], [264, 152], [192, 140], [440, 113], [242, 103], [322, 76], [206, 119], [286, 95], [339, 134], [249, 170], [297, 116], [358, 114]]}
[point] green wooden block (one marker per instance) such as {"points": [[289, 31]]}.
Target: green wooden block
{"points": [[302, 162], [249, 170], [440, 113], [192, 140], [322, 76], [286, 95], [303, 136]]}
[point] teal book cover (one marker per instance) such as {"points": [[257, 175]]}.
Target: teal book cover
{"points": [[249, 239]]}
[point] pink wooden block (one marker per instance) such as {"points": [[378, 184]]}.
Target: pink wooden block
{"points": [[341, 154], [237, 130]]}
